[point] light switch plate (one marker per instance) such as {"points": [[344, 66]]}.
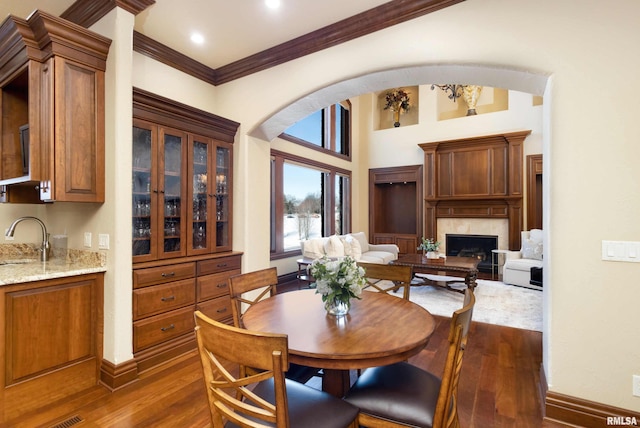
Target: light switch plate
{"points": [[621, 251], [103, 241], [87, 239]]}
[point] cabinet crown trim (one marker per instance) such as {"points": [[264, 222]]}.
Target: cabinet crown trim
{"points": [[155, 108]]}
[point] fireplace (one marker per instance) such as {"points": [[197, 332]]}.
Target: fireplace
{"points": [[477, 246]]}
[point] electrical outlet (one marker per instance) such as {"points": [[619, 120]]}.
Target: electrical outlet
{"points": [[103, 241], [636, 385], [87, 239]]}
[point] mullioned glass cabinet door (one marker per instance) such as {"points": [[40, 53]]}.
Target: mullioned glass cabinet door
{"points": [[200, 195], [223, 192], [143, 203], [158, 190], [172, 228]]}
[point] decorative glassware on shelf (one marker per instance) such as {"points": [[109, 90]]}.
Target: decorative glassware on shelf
{"points": [[338, 281], [141, 190], [172, 192], [222, 192], [200, 194]]}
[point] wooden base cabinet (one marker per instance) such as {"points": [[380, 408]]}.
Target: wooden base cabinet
{"points": [[165, 297], [51, 333]]}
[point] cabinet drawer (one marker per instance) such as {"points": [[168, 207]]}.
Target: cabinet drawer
{"points": [[219, 264], [218, 309], [162, 274], [160, 328], [210, 286], [149, 301]]}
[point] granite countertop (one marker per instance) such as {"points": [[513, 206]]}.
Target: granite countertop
{"points": [[21, 263]]}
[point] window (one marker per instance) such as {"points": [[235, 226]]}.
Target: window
{"points": [[308, 200], [327, 130]]}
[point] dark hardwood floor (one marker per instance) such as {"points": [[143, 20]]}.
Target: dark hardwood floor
{"points": [[499, 387]]}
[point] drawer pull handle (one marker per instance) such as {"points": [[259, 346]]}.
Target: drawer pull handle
{"points": [[168, 275], [222, 265], [168, 299], [171, 327], [221, 311], [223, 285]]}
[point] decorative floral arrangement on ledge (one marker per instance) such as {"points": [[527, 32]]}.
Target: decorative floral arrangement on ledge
{"points": [[338, 281], [429, 247], [398, 101]]}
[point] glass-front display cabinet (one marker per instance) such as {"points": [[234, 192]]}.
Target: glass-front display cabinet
{"points": [[181, 193], [158, 192], [210, 196]]}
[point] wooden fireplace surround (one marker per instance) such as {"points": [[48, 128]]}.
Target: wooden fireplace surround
{"points": [[476, 177]]}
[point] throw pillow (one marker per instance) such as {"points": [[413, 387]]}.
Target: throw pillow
{"points": [[333, 247], [362, 240], [346, 243], [356, 249], [312, 248], [532, 249]]}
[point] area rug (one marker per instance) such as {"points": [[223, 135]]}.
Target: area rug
{"points": [[496, 303]]}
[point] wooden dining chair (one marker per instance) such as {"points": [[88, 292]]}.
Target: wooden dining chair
{"points": [[401, 395], [266, 398], [258, 284], [388, 278], [250, 288]]}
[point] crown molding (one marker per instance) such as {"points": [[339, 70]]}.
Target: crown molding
{"points": [[164, 54], [87, 12], [367, 22]]}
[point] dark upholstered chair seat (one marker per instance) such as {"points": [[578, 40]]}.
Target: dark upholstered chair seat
{"points": [[399, 392], [309, 407]]}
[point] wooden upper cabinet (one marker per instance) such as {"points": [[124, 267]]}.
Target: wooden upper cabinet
{"points": [[182, 179], [52, 103]]}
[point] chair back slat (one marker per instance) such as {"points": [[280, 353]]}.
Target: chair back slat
{"points": [[387, 278]]}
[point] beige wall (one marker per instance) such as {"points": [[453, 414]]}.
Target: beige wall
{"points": [[584, 49]]}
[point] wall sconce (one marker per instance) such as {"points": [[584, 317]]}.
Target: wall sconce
{"points": [[456, 90], [470, 93]]}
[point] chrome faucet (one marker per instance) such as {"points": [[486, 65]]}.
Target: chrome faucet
{"points": [[45, 248]]}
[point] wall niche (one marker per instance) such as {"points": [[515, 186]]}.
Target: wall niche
{"points": [[385, 118]]}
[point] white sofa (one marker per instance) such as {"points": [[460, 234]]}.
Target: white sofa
{"points": [[518, 264], [352, 244]]}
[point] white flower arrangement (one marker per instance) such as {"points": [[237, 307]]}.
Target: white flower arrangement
{"points": [[337, 280], [429, 244]]}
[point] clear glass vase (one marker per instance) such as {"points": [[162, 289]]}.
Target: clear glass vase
{"points": [[337, 307]]}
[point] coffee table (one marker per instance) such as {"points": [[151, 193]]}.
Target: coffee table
{"points": [[466, 268]]}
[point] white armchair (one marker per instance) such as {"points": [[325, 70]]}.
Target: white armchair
{"points": [[518, 264]]}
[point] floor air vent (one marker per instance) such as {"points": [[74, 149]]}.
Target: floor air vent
{"points": [[69, 422]]}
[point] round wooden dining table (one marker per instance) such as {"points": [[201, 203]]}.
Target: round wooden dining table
{"points": [[379, 329]]}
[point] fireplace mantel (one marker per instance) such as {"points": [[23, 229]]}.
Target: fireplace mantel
{"points": [[476, 177]]}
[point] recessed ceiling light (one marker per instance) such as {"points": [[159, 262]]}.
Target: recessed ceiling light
{"points": [[272, 4], [197, 38]]}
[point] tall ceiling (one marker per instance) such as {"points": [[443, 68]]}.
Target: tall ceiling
{"points": [[232, 29]]}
